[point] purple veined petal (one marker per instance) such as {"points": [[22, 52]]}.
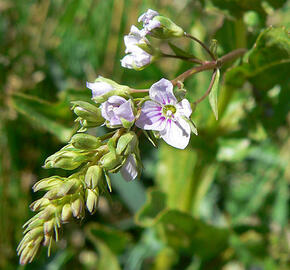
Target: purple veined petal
{"points": [[99, 88], [162, 92], [128, 61], [176, 133], [129, 170], [151, 117], [125, 111], [184, 108]]}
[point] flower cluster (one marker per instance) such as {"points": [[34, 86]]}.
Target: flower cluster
{"points": [[159, 112]]}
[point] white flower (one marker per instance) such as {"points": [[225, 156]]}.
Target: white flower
{"points": [[148, 23], [99, 88], [165, 114], [136, 57]]}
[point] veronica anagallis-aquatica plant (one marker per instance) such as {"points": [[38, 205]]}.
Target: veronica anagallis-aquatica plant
{"points": [[162, 112]]}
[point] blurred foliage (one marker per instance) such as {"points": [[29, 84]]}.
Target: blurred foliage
{"points": [[223, 203]]}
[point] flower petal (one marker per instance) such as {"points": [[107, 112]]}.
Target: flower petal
{"points": [[129, 170], [116, 100], [162, 92], [99, 88], [152, 25], [176, 133], [184, 108], [125, 111], [151, 117], [148, 15], [128, 61]]}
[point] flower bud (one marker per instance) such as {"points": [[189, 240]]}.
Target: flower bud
{"points": [[103, 88], [77, 207], [66, 212], [92, 196], [93, 175], [48, 226], [110, 161], [167, 28], [89, 115], [85, 141], [47, 183], [127, 143], [40, 203], [68, 158]]}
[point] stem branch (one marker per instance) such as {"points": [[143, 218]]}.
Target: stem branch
{"points": [[194, 60], [208, 89], [202, 44]]}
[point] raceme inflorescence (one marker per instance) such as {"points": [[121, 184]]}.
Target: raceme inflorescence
{"points": [[161, 112]]}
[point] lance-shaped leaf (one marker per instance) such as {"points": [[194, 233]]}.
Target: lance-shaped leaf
{"points": [[213, 95]]}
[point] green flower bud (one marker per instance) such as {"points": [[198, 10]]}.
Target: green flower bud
{"points": [[47, 213], [92, 196], [85, 141], [93, 175], [66, 213], [77, 207], [167, 29], [127, 143], [48, 226], [68, 158], [47, 183], [88, 114], [110, 161], [41, 203]]}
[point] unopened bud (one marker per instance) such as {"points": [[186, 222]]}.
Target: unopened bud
{"points": [[127, 143], [66, 212], [77, 207], [110, 161], [40, 203], [167, 28], [85, 141], [48, 226], [88, 112], [92, 196], [68, 187], [67, 159], [93, 175], [47, 183]]}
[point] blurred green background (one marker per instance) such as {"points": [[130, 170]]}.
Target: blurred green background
{"points": [[223, 203]]}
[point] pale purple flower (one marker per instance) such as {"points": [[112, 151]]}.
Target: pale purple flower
{"points": [[136, 57], [129, 171], [165, 114], [148, 23], [99, 88], [117, 108]]}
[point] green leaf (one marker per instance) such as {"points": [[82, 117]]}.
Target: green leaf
{"points": [[174, 173], [180, 52], [266, 64], [116, 240], [192, 236], [44, 114], [156, 202], [214, 93]]}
